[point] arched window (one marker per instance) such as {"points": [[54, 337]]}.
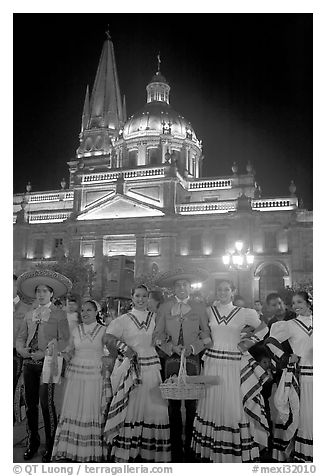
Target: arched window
{"points": [[271, 280], [132, 158], [153, 156], [88, 144]]}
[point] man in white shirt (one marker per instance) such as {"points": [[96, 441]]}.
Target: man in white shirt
{"points": [[72, 313]]}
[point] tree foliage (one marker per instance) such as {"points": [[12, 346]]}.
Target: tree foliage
{"points": [[303, 284], [78, 270]]}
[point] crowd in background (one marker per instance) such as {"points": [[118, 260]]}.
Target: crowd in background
{"points": [[114, 358]]}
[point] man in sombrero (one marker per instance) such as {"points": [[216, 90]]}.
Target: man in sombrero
{"points": [[182, 323], [44, 331], [20, 308]]}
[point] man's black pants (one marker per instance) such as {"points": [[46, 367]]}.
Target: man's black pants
{"points": [[17, 368], [176, 426], [36, 391], [172, 366]]}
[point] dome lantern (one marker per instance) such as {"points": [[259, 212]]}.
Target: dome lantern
{"points": [[158, 88]]}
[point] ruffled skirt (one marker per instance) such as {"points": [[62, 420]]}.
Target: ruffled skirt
{"points": [[223, 432], [300, 448], [145, 432], [80, 427]]}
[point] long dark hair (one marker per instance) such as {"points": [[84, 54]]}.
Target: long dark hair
{"points": [[157, 296], [140, 286], [99, 317]]}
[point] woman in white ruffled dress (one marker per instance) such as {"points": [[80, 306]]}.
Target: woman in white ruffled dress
{"points": [[293, 440], [137, 426], [230, 423], [80, 427]]}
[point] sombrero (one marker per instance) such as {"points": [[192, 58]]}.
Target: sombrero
{"points": [[168, 278], [27, 282]]}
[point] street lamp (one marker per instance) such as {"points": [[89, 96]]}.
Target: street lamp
{"points": [[238, 260], [196, 286]]}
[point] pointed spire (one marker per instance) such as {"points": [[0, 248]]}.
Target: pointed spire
{"points": [[103, 109], [108, 32], [106, 104], [124, 109], [85, 117]]}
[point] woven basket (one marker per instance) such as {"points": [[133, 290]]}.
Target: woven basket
{"points": [[181, 390]]}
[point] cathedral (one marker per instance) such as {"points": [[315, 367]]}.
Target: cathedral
{"points": [[137, 204]]}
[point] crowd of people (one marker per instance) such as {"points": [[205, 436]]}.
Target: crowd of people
{"points": [[259, 407]]}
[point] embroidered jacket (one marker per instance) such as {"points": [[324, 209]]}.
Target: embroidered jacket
{"points": [[53, 326], [194, 318]]}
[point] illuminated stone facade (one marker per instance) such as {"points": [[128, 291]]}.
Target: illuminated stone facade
{"points": [[135, 189]]}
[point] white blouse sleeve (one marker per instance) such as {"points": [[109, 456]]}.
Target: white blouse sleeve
{"points": [[116, 327], [280, 331], [251, 318]]}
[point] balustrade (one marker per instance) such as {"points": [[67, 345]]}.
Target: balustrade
{"points": [[210, 184]]}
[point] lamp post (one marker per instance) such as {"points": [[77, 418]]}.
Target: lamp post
{"points": [[238, 260]]}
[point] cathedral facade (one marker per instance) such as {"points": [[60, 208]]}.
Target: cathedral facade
{"points": [[136, 203]]}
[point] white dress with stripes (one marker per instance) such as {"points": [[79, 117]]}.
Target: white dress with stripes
{"points": [[79, 431], [145, 432], [223, 432], [299, 332]]}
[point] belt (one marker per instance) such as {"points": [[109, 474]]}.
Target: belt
{"points": [[146, 361], [30, 361], [223, 354]]}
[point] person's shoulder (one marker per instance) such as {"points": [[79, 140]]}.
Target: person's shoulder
{"points": [[198, 305], [122, 317], [250, 312], [29, 313], [272, 321], [72, 316], [58, 313], [264, 318], [289, 315], [166, 305], [24, 307], [280, 325]]}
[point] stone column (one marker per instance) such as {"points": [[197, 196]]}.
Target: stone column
{"points": [[168, 252], [255, 287], [141, 160], [20, 240], [197, 167], [140, 264]]}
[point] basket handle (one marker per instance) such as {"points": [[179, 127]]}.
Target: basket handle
{"points": [[183, 369]]}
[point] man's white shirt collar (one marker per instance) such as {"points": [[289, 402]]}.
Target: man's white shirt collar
{"points": [[185, 301], [45, 305]]}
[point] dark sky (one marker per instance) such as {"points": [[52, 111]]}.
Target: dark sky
{"points": [[244, 81]]}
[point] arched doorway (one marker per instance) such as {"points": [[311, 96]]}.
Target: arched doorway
{"points": [[271, 278]]}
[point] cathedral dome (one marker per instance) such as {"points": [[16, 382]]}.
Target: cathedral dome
{"points": [[155, 118]]}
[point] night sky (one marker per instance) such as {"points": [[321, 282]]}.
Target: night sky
{"points": [[244, 81]]}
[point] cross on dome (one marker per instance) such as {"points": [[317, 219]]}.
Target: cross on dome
{"points": [[158, 62]]}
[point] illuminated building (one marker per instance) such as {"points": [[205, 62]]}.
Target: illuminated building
{"points": [[136, 189]]}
